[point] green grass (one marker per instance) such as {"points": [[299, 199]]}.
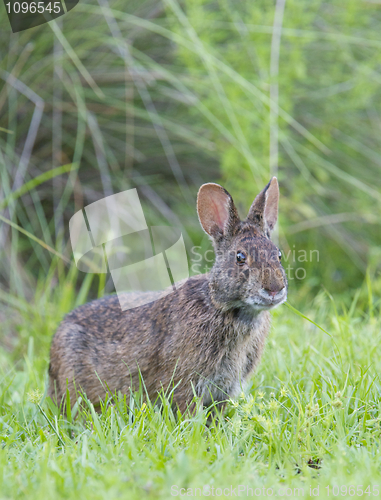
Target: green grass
{"points": [[208, 68], [309, 417]]}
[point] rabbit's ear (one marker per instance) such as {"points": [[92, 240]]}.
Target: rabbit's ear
{"points": [[216, 210], [264, 210]]}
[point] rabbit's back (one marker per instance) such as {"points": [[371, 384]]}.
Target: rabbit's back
{"points": [[100, 342]]}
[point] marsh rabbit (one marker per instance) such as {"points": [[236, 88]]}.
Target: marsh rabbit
{"points": [[205, 338]]}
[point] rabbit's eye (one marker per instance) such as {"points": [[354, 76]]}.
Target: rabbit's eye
{"points": [[280, 255], [241, 258]]}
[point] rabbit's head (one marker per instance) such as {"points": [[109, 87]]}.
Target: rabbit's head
{"points": [[247, 272]]}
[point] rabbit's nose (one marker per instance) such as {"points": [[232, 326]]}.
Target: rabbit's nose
{"points": [[273, 292]]}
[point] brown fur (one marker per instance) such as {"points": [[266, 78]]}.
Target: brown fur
{"points": [[207, 336]]}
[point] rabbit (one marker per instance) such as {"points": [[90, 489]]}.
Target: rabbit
{"points": [[204, 339]]}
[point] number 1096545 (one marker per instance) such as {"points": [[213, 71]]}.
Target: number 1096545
{"points": [[33, 7]]}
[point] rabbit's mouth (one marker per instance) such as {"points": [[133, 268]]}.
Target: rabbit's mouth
{"points": [[265, 301]]}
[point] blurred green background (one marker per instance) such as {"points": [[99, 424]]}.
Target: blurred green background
{"points": [[164, 96]]}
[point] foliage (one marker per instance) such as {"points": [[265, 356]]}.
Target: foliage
{"points": [[91, 91], [310, 417], [154, 95], [327, 123]]}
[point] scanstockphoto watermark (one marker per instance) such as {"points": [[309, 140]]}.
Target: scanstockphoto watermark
{"points": [[112, 235], [242, 490], [293, 260], [245, 490]]}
